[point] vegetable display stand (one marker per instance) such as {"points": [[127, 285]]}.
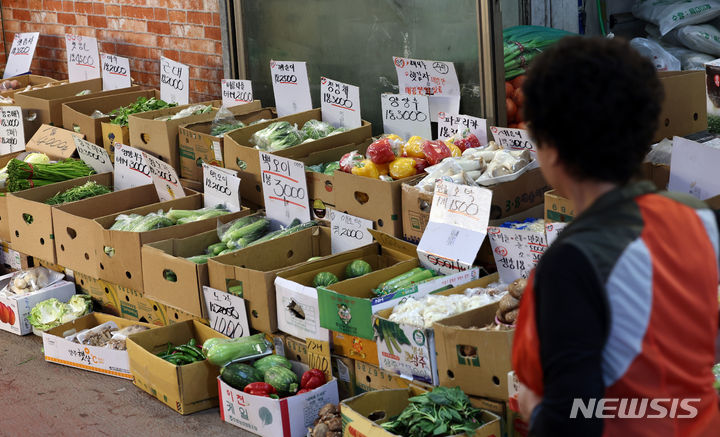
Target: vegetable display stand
{"points": [[98, 359], [171, 278], [197, 145], [242, 156], [253, 269], [16, 307], [31, 225], [289, 416], [187, 388], [77, 116], [4, 215]]}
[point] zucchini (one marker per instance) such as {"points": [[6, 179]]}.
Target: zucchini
{"points": [[199, 259], [215, 249], [239, 223], [221, 353], [258, 225], [417, 277], [398, 278]]}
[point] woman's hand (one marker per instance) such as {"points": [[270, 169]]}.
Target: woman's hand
{"points": [[527, 401]]}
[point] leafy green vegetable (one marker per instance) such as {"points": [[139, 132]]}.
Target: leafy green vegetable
{"points": [[88, 189], [277, 136], [22, 175], [220, 129], [716, 372], [51, 313], [143, 104], [314, 130]]}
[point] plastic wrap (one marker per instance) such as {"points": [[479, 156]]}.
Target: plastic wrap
{"points": [[34, 279], [661, 58], [223, 122], [669, 14]]}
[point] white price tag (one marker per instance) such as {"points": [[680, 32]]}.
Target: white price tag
{"points": [[694, 168], [516, 251], [476, 126], [174, 81], [83, 57], [221, 187], [12, 132], [166, 180], [435, 79], [552, 230], [226, 313], [131, 170], [93, 155], [284, 189], [458, 224], [21, 54], [340, 103], [348, 232], [291, 87], [513, 139], [406, 115], [115, 72], [236, 92]]}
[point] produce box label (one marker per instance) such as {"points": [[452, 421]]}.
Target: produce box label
{"points": [[56, 142], [516, 251], [221, 187], [174, 81], [405, 115], [693, 169], [406, 350], [340, 103], [226, 313], [166, 180], [348, 232], [12, 132], [284, 189], [449, 125], [93, 155], [83, 57], [435, 79], [291, 87], [236, 92], [513, 139], [131, 170], [93, 358], [21, 54], [115, 72]]}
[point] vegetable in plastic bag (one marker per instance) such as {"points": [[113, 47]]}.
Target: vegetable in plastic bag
{"points": [[33, 279], [223, 122], [314, 130], [276, 136]]}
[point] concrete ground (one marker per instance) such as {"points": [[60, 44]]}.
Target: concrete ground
{"points": [[38, 398]]}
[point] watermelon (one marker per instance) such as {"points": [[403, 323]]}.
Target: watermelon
{"points": [[357, 268], [238, 375], [263, 364], [284, 380], [323, 279]]}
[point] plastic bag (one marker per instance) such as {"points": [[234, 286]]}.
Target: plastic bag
{"points": [[223, 122], [315, 129], [660, 57], [190, 110], [689, 60], [703, 38], [277, 136], [654, 33], [669, 14], [34, 279]]}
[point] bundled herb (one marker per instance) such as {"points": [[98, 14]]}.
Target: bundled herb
{"points": [[143, 104], [88, 189], [521, 44], [23, 175], [441, 412]]}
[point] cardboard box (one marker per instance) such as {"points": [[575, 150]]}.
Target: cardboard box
{"points": [[198, 146], [32, 80], [240, 155], [12, 260], [369, 378], [112, 134], [684, 109], [363, 414], [470, 357], [170, 256], [295, 349], [508, 199], [255, 268], [321, 189], [186, 389], [77, 116], [46, 103], [19, 305], [558, 208], [294, 286], [343, 369], [103, 293], [93, 358], [289, 417], [4, 216], [134, 305], [499, 408], [658, 174], [31, 225], [161, 137], [359, 349]]}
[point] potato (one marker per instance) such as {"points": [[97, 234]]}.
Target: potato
{"points": [[517, 288], [508, 303]]}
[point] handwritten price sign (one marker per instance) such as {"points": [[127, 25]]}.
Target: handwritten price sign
{"points": [[435, 79], [115, 72], [12, 133], [516, 251], [83, 57], [174, 81], [291, 87], [222, 187], [449, 125], [513, 139], [226, 313], [340, 103], [284, 189], [406, 115], [53, 141], [319, 356], [348, 232], [131, 170], [166, 180], [236, 92], [94, 156], [21, 54]]}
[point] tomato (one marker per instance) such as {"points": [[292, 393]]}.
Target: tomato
{"points": [[4, 315], [511, 110], [509, 90], [518, 97], [11, 319], [518, 81]]}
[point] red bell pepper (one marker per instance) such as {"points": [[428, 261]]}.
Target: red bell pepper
{"points": [[381, 151], [260, 389], [435, 151], [420, 164], [349, 160], [303, 390], [311, 379], [468, 142]]}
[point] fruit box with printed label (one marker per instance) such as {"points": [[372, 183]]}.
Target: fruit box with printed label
{"points": [[12, 260], [242, 156], [160, 137], [254, 268], [297, 298], [198, 146], [78, 115], [370, 378], [98, 359], [186, 389], [4, 222], [103, 293], [14, 308], [295, 349], [31, 224], [472, 357], [409, 350], [359, 349], [169, 277], [288, 417], [558, 208], [134, 305], [363, 414]]}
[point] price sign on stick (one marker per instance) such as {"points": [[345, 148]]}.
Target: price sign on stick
{"points": [[93, 155], [435, 79], [516, 251], [83, 57], [405, 115], [166, 180], [226, 313], [12, 133], [131, 170], [21, 54], [236, 92], [348, 232], [115, 72], [284, 189], [513, 139], [221, 187], [291, 87], [174, 81], [340, 103]]}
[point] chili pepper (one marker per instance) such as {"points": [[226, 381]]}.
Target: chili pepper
{"points": [[468, 142], [312, 378], [366, 168], [402, 168], [381, 151], [420, 164], [348, 161], [454, 150], [414, 147], [260, 389]]}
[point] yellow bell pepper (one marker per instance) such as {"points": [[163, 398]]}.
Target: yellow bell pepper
{"points": [[454, 150], [394, 137], [413, 148], [384, 169], [402, 168], [367, 169]]}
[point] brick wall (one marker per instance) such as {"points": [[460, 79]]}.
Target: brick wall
{"points": [[187, 31]]}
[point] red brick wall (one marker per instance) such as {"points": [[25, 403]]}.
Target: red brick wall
{"points": [[187, 31]]}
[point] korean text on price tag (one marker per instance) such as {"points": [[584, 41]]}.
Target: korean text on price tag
{"points": [[93, 155], [348, 232], [552, 230], [291, 87], [236, 92], [55, 142], [221, 187], [83, 57], [284, 189], [115, 72], [340, 103], [166, 180], [12, 133], [516, 251], [435, 79], [174, 81], [319, 356], [226, 313], [131, 170], [449, 125], [513, 139], [21, 54], [405, 115]]}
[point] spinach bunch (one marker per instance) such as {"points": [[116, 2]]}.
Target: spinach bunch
{"points": [[441, 412], [142, 104]]}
